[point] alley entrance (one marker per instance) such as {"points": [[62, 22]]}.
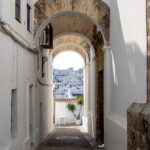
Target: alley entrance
{"points": [[69, 138], [81, 32]]}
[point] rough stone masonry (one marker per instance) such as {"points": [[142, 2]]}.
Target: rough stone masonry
{"points": [[139, 114], [139, 127]]}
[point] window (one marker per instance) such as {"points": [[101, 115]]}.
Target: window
{"points": [[18, 10], [28, 18], [13, 114]]}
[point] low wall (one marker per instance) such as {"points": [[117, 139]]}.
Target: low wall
{"points": [[139, 127], [61, 114]]}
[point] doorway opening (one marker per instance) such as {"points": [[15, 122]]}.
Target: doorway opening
{"points": [[68, 92], [84, 35], [100, 108]]}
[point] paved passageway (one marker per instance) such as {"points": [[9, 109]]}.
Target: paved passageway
{"points": [[69, 139]]}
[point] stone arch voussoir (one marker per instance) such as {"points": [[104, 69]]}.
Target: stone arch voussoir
{"points": [[97, 10]]}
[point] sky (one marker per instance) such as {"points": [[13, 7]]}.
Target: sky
{"points": [[68, 59]]}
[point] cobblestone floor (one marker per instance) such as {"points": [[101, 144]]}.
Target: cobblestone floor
{"points": [[69, 139]]}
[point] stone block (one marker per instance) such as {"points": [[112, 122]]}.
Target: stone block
{"points": [[138, 116], [97, 10]]}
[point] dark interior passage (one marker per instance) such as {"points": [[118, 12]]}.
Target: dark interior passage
{"points": [[100, 109]]}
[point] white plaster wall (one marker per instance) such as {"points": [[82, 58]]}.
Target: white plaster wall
{"points": [[19, 29], [128, 64], [86, 98], [0, 9], [92, 95], [46, 94], [61, 111], [46, 122], [17, 70]]}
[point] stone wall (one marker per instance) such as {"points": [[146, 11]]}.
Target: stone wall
{"points": [[99, 92], [97, 10], [139, 127], [100, 108], [71, 39]]}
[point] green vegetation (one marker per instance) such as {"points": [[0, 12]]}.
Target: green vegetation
{"points": [[72, 107]]}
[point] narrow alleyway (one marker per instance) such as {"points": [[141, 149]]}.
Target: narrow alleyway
{"points": [[69, 139]]}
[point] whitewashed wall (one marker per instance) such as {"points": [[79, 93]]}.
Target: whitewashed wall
{"points": [[7, 12], [17, 71], [63, 116], [128, 78], [46, 94], [92, 95], [0, 9]]}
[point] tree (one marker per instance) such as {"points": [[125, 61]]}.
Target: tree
{"points": [[72, 108], [80, 102]]}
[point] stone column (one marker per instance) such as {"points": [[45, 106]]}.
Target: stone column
{"points": [[107, 84], [92, 98], [51, 91], [107, 80], [86, 98], [45, 90]]}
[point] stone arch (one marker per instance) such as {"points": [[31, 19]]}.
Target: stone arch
{"points": [[73, 39], [92, 17], [70, 47], [83, 41], [96, 10]]}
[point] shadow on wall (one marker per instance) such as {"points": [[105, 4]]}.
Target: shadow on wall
{"points": [[128, 74], [128, 63]]}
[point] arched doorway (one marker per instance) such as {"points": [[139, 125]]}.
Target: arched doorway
{"points": [[87, 35], [75, 42], [69, 80]]}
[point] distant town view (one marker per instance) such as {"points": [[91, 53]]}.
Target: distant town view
{"points": [[68, 83]]}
